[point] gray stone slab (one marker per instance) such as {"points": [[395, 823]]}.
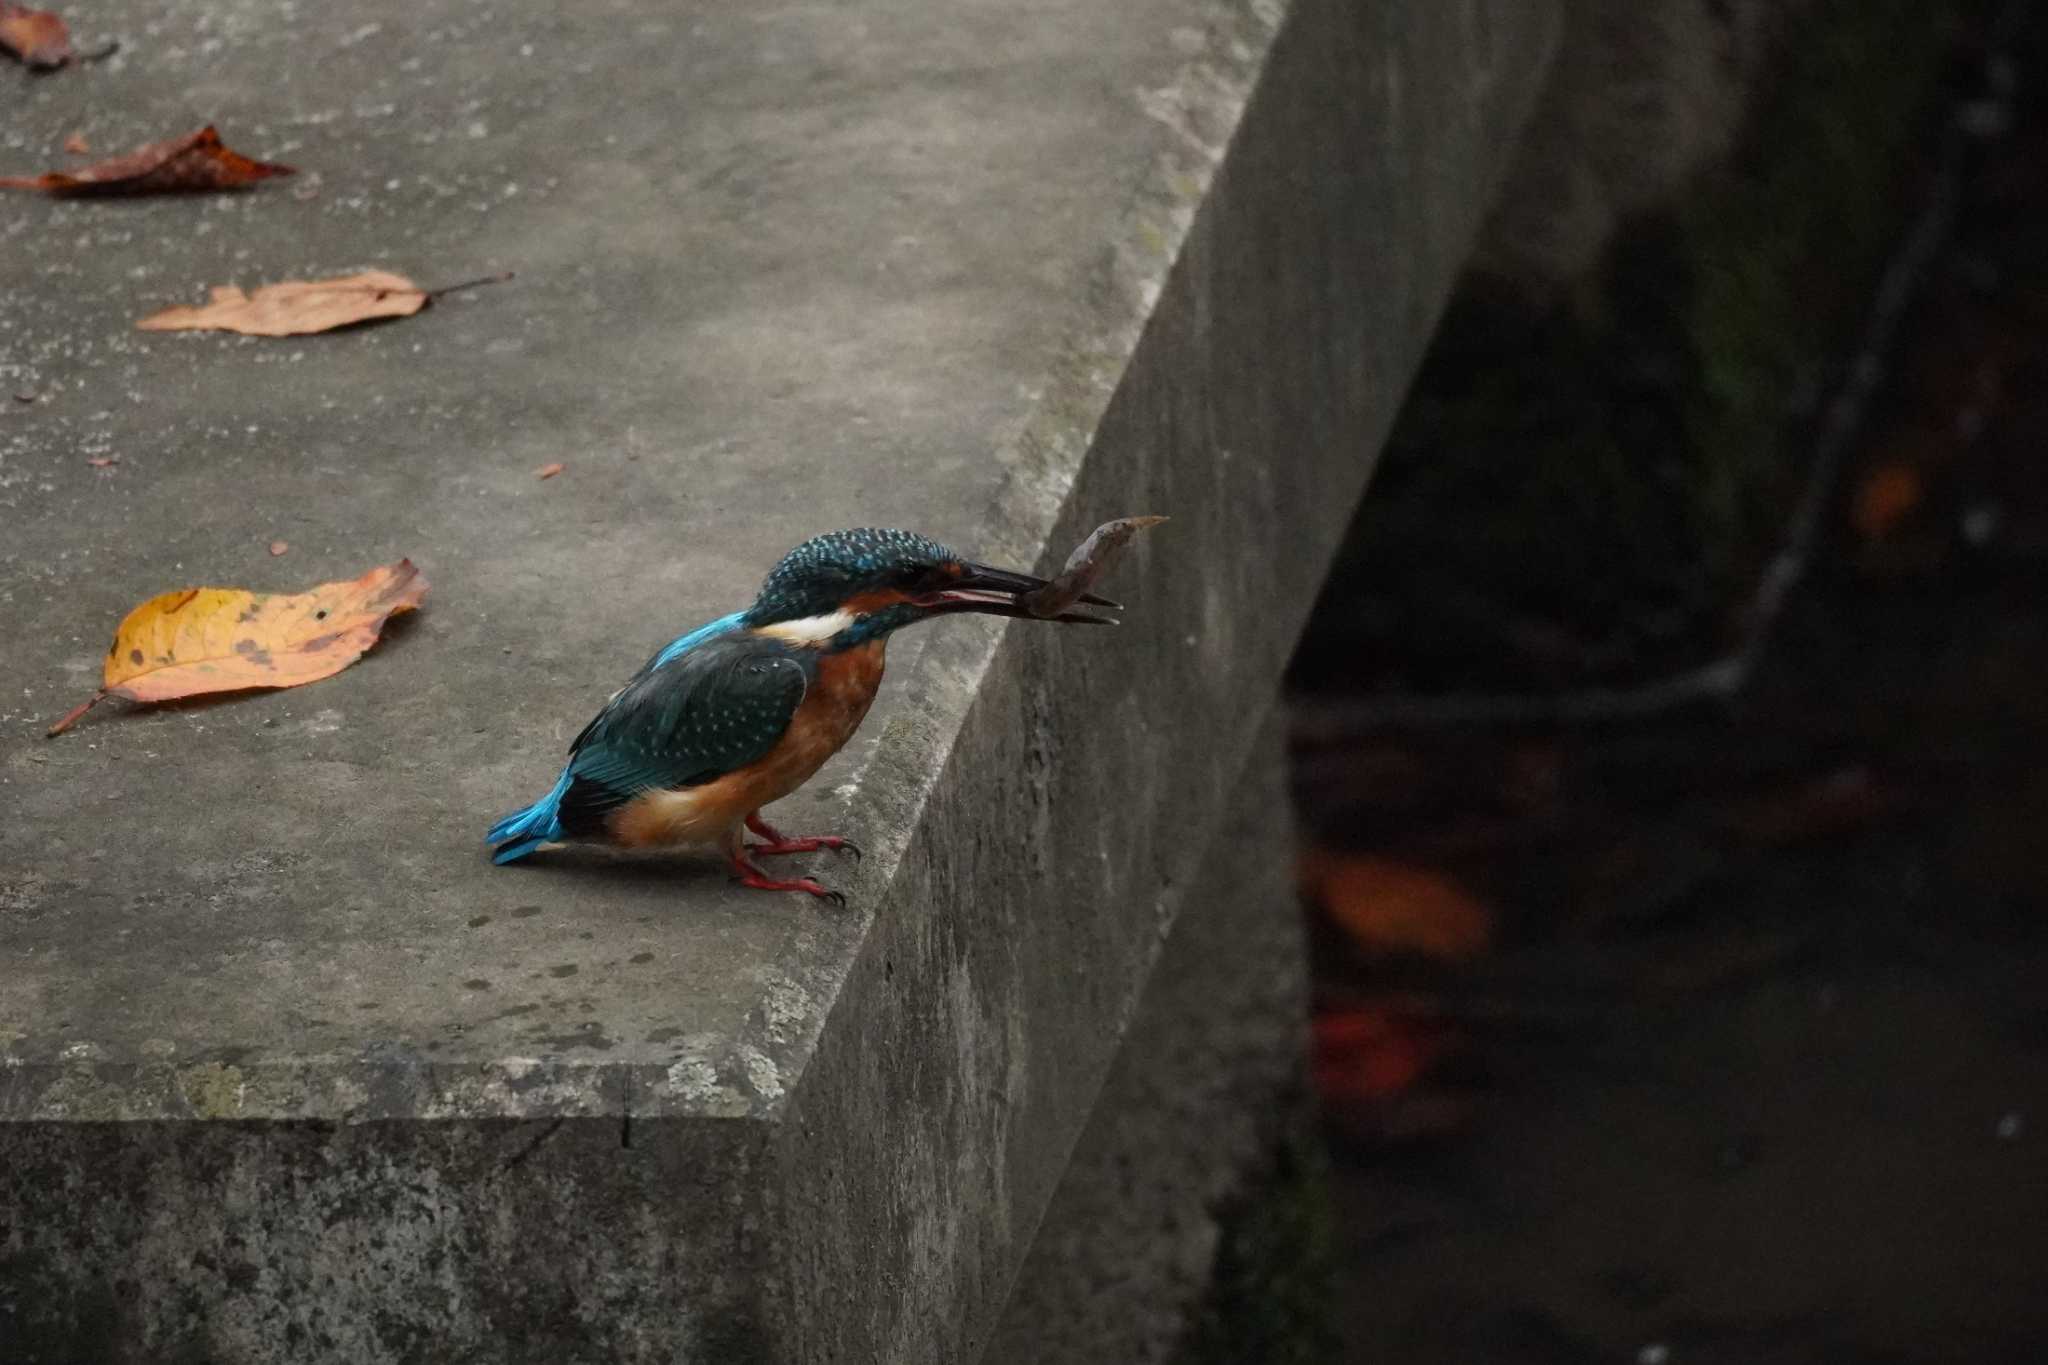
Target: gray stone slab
{"points": [[1210, 1078], [984, 271]]}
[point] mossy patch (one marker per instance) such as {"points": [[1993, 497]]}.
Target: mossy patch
{"points": [[1273, 1295], [1585, 492]]}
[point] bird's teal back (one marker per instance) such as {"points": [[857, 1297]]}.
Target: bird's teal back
{"points": [[523, 831]]}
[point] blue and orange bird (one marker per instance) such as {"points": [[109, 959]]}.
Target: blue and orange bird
{"points": [[741, 712]]}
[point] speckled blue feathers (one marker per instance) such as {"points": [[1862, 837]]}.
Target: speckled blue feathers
{"points": [[521, 832], [710, 710], [818, 575]]}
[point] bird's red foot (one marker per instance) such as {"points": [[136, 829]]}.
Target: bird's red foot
{"points": [[750, 875], [778, 842]]}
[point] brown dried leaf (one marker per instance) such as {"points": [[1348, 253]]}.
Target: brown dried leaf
{"points": [[199, 640], [36, 36], [1085, 566], [548, 471], [296, 307], [194, 163]]}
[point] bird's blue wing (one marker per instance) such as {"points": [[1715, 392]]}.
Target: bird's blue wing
{"points": [[707, 710], [677, 646]]}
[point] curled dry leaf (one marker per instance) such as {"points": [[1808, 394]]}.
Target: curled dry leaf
{"points": [[193, 163], [200, 640], [296, 307], [300, 307], [38, 37], [548, 471], [1085, 566]]}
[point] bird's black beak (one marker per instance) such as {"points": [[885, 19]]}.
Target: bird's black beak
{"points": [[999, 592]]}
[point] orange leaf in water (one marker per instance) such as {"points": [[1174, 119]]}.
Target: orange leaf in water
{"points": [[1885, 499], [192, 163], [296, 307], [36, 36], [1370, 1052], [200, 640], [1390, 906]]}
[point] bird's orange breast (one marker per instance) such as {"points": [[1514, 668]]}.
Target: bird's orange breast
{"points": [[833, 707]]}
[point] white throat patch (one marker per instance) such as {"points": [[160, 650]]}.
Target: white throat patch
{"points": [[809, 630]]}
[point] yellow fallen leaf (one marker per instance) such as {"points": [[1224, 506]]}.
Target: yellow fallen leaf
{"points": [[199, 640], [296, 307]]}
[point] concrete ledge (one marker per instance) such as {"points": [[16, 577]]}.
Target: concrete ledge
{"points": [[1208, 1083], [996, 274]]}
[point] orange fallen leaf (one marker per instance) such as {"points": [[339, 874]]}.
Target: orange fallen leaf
{"points": [[296, 307], [77, 145], [1884, 500], [548, 471], [36, 36], [192, 163], [1390, 906], [199, 640], [278, 547], [301, 307]]}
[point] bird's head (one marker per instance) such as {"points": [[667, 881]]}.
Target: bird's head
{"points": [[847, 587]]}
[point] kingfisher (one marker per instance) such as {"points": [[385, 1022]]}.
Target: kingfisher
{"points": [[741, 712]]}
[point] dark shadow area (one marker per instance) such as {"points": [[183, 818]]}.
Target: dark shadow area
{"points": [[1722, 1035]]}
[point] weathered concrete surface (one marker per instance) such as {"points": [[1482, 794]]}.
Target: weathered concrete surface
{"points": [[1063, 826], [1209, 1079], [783, 267], [539, 1240]]}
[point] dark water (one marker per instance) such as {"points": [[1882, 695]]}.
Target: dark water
{"points": [[1755, 1067]]}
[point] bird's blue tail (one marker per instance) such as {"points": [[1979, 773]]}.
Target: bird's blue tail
{"points": [[521, 832]]}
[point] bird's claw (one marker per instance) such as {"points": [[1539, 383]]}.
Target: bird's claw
{"points": [[821, 891], [756, 881]]}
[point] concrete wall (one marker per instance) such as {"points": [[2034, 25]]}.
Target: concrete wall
{"points": [[287, 1070], [1645, 94]]}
